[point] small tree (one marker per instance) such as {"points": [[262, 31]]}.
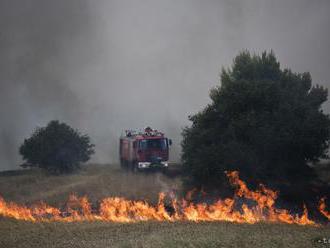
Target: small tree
{"points": [[264, 121], [58, 148]]}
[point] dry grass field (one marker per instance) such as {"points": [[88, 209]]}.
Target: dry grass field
{"points": [[98, 181], [95, 181], [152, 234]]}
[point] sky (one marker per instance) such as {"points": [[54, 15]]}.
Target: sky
{"points": [[109, 65]]}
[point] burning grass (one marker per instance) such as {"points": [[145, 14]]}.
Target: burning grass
{"points": [[118, 209], [27, 187]]}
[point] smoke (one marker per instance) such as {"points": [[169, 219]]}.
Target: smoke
{"points": [[104, 66]]}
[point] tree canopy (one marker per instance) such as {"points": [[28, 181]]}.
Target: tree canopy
{"points": [[58, 148], [264, 121]]}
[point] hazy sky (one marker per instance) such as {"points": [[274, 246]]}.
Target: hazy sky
{"points": [[103, 66]]}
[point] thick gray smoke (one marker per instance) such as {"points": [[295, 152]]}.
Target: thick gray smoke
{"points": [[104, 66]]}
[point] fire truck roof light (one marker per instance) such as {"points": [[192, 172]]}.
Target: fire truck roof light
{"points": [[147, 132]]}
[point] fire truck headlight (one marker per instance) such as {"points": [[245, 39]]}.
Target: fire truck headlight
{"points": [[165, 164], [143, 164]]}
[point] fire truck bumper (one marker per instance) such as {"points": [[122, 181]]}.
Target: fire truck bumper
{"points": [[146, 165]]}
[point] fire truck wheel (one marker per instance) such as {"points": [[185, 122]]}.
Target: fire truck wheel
{"points": [[135, 167], [122, 163], [164, 170]]}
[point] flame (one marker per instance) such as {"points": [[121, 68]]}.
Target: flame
{"points": [[322, 208], [258, 206]]}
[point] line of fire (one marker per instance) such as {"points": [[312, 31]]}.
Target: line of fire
{"points": [[259, 206]]}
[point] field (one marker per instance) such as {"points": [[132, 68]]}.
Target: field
{"points": [[98, 181]]}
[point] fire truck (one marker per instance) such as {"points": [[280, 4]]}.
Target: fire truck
{"points": [[143, 150]]}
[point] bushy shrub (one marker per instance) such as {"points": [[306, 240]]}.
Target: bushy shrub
{"points": [[58, 148]]}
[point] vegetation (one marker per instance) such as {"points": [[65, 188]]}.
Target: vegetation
{"points": [[95, 181], [155, 234], [101, 181], [263, 121], [58, 148]]}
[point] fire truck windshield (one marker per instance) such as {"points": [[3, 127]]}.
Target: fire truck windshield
{"points": [[153, 144]]}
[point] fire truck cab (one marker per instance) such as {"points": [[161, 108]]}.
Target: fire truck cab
{"points": [[143, 150]]}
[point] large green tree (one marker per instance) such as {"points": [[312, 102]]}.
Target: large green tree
{"points": [[58, 148], [264, 121]]}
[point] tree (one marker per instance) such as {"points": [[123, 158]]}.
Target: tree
{"points": [[263, 121], [58, 148]]}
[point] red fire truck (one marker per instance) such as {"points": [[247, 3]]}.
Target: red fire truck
{"points": [[142, 150]]}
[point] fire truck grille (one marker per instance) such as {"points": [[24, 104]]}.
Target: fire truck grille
{"points": [[154, 159]]}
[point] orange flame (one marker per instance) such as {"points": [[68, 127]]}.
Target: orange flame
{"points": [[322, 208], [116, 209]]}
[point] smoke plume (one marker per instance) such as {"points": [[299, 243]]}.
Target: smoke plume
{"points": [[104, 66]]}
